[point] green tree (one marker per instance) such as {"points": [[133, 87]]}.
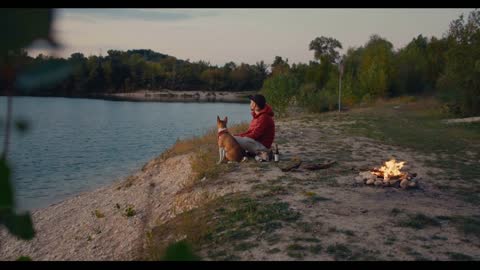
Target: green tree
{"points": [[411, 68], [376, 68], [280, 66], [460, 84], [325, 49], [212, 77]]}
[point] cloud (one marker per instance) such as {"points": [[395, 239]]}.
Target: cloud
{"points": [[92, 14]]}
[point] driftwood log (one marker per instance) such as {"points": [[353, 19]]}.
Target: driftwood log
{"points": [[318, 166], [292, 164]]}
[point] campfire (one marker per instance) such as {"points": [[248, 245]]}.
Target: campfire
{"points": [[389, 175]]}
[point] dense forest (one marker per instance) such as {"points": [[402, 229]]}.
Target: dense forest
{"points": [[446, 67]]}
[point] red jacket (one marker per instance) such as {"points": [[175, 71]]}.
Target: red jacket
{"points": [[262, 127]]}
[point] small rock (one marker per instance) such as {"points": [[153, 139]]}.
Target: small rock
{"points": [[393, 181], [404, 184], [370, 182], [367, 175], [360, 181], [378, 183]]}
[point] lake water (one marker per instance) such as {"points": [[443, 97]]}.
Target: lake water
{"points": [[76, 145]]}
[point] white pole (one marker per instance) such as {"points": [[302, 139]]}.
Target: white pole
{"points": [[339, 90]]}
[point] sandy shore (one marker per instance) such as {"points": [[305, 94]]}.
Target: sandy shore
{"points": [[94, 225], [180, 96]]}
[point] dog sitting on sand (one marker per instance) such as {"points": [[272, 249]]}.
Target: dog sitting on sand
{"points": [[228, 148]]}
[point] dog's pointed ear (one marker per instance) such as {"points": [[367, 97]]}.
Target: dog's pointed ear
{"points": [[218, 118], [225, 120]]}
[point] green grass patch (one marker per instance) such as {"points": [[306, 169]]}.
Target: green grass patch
{"points": [[180, 251], [390, 240], [440, 238], [340, 252], [295, 254], [130, 211], [396, 211], [469, 226], [329, 181], [418, 221], [343, 252], [273, 251], [315, 199], [416, 255], [455, 256], [227, 221], [217, 254], [275, 190], [232, 257], [347, 232], [296, 247], [305, 227], [316, 249], [306, 239], [273, 239], [245, 246], [332, 229]]}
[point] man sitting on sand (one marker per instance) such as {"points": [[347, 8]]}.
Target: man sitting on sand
{"points": [[261, 132]]}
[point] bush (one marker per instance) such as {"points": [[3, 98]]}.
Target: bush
{"points": [[322, 100], [279, 91]]}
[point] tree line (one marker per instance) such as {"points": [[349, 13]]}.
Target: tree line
{"points": [[131, 70], [447, 68]]}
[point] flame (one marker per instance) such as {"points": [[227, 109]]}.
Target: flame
{"points": [[390, 169]]}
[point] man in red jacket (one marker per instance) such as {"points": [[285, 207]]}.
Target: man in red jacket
{"points": [[261, 133]]}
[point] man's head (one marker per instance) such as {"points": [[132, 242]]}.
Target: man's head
{"points": [[257, 102]]}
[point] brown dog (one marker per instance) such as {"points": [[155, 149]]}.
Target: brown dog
{"points": [[228, 147]]}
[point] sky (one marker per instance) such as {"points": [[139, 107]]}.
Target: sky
{"points": [[248, 36]]}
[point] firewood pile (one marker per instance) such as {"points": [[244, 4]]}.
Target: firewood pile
{"points": [[388, 176]]}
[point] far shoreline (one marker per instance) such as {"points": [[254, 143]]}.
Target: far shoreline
{"points": [[164, 96]]}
